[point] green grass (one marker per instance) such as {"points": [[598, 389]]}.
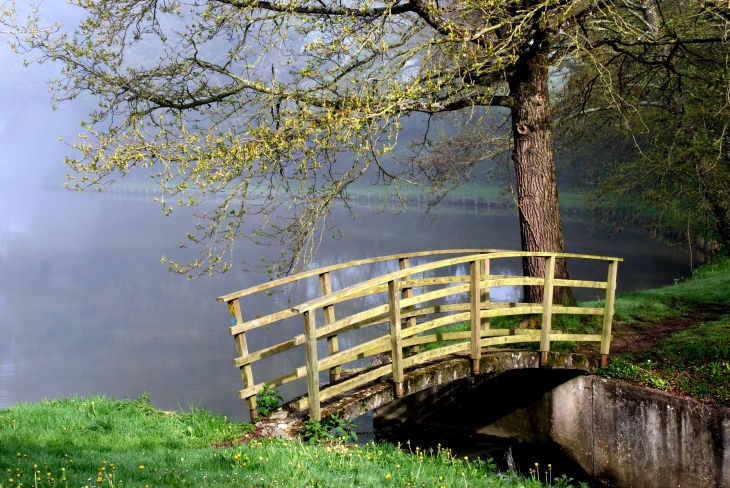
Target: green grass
{"points": [[695, 361], [709, 287], [99, 441]]}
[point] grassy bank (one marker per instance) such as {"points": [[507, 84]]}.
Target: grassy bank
{"points": [[693, 361], [102, 442]]}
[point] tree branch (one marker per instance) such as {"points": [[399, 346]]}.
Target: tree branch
{"points": [[292, 8]]}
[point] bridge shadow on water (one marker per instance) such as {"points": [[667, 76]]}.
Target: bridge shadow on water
{"points": [[504, 417]]}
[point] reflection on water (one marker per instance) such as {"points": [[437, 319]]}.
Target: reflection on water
{"points": [[86, 307]]}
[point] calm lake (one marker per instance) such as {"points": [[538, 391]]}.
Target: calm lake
{"points": [[87, 307]]}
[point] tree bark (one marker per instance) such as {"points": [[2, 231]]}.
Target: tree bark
{"points": [[541, 227]]}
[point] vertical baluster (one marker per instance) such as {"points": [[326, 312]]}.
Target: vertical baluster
{"points": [[547, 309], [407, 292], [234, 308], [484, 274], [333, 346], [608, 311], [475, 309], [310, 349], [395, 340]]}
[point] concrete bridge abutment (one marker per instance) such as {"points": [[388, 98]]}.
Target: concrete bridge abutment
{"points": [[619, 434]]}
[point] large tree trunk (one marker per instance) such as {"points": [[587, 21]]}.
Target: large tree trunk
{"points": [[541, 227]]}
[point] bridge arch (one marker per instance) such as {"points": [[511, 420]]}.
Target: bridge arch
{"points": [[423, 380], [418, 303]]}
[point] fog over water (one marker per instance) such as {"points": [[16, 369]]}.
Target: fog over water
{"points": [[87, 307]]}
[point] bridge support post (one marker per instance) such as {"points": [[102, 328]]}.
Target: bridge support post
{"points": [[310, 349], [547, 309], [407, 292], [475, 307], [395, 339], [333, 345], [608, 312], [234, 308], [484, 274]]}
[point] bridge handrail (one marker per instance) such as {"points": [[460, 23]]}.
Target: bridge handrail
{"points": [[478, 311], [365, 286], [334, 267]]}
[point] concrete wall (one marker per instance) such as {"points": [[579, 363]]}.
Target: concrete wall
{"points": [[620, 434], [638, 437]]}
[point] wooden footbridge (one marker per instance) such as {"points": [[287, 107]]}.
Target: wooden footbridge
{"points": [[413, 301]]}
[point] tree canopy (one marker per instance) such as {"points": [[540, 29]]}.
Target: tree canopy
{"points": [[280, 105], [665, 109]]}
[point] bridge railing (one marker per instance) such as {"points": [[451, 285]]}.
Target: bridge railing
{"points": [[401, 308]]}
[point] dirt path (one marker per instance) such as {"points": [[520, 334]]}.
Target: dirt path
{"points": [[643, 335]]}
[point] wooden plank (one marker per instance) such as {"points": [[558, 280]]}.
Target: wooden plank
{"points": [[432, 324], [395, 336], [348, 384], [579, 283], [434, 281], [475, 295], [484, 273], [253, 324], [310, 345], [577, 310], [352, 321], [495, 341], [519, 281], [462, 317], [459, 307], [269, 351], [396, 275], [378, 319], [333, 345], [234, 309], [511, 332], [576, 337], [433, 295], [608, 313], [451, 336], [407, 292], [503, 312], [295, 342], [441, 336], [435, 353], [350, 264], [357, 288], [547, 308], [380, 344], [446, 308]]}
